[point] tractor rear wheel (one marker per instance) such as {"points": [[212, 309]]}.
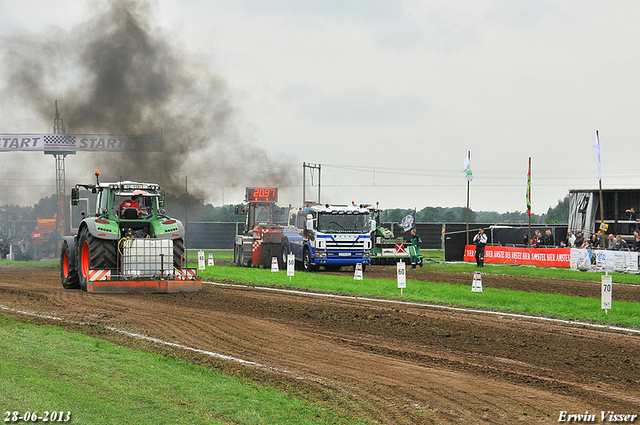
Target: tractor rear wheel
{"points": [[94, 254], [68, 270], [178, 254]]}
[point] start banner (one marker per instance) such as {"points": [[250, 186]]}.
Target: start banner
{"points": [[541, 257], [54, 143]]}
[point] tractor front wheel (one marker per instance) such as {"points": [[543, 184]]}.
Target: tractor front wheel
{"points": [[68, 270], [94, 254]]}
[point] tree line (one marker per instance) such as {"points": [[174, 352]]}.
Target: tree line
{"points": [[188, 206]]}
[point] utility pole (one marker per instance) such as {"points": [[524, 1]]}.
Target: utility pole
{"points": [[311, 167]]}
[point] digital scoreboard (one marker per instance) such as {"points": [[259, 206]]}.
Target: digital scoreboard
{"points": [[262, 194]]}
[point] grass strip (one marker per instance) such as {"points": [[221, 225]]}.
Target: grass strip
{"points": [[44, 368], [506, 300]]}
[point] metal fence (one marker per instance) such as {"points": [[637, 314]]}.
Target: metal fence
{"points": [[204, 235]]}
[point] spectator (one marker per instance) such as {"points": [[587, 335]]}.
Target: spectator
{"points": [[636, 244], [563, 244], [24, 242], [534, 239], [620, 244], [631, 212], [597, 241], [480, 239], [579, 239], [571, 239], [37, 238], [539, 239], [526, 241], [548, 238], [586, 244], [23, 235], [611, 242]]}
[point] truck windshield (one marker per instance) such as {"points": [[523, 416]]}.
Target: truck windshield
{"points": [[343, 223]]}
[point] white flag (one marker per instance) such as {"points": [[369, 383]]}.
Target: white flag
{"points": [[466, 169], [466, 165], [597, 146]]}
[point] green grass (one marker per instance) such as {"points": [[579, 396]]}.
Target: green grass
{"points": [[218, 254], [538, 304], [541, 272], [45, 368], [43, 263]]}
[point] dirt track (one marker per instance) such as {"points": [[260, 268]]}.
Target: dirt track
{"points": [[390, 363]]}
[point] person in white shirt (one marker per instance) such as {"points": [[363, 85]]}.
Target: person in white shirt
{"points": [[571, 239]]}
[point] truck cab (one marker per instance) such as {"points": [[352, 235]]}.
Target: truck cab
{"points": [[331, 236]]}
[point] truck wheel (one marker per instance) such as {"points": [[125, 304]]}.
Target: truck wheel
{"points": [[178, 254], [94, 254], [283, 257], [68, 270], [306, 262]]}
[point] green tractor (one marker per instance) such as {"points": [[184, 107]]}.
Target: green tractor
{"points": [[125, 212]]}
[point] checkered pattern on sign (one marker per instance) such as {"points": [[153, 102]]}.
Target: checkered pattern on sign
{"points": [[255, 245], [56, 140], [143, 142]]}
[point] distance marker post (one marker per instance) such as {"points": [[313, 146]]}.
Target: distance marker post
{"points": [[357, 275], [402, 275], [607, 286], [476, 285], [200, 260], [291, 265]]}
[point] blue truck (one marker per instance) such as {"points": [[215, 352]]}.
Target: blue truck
{"points": [[331, 236]]}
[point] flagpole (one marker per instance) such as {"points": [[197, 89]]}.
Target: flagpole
{"points": [[529, 190], [468, 185], [600, 180]]}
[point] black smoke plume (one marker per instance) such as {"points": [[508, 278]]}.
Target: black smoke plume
{"points": [[118, 73]]}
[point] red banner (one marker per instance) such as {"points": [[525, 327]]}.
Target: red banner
{"points": [[542, 257]]}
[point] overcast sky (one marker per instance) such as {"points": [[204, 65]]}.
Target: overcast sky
{"points": [[389, 96]]}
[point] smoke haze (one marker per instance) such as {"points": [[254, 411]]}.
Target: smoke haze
{"points": [[117, 73]]}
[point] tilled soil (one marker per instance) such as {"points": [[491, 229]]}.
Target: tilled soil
{"points": [[387, 362]]}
